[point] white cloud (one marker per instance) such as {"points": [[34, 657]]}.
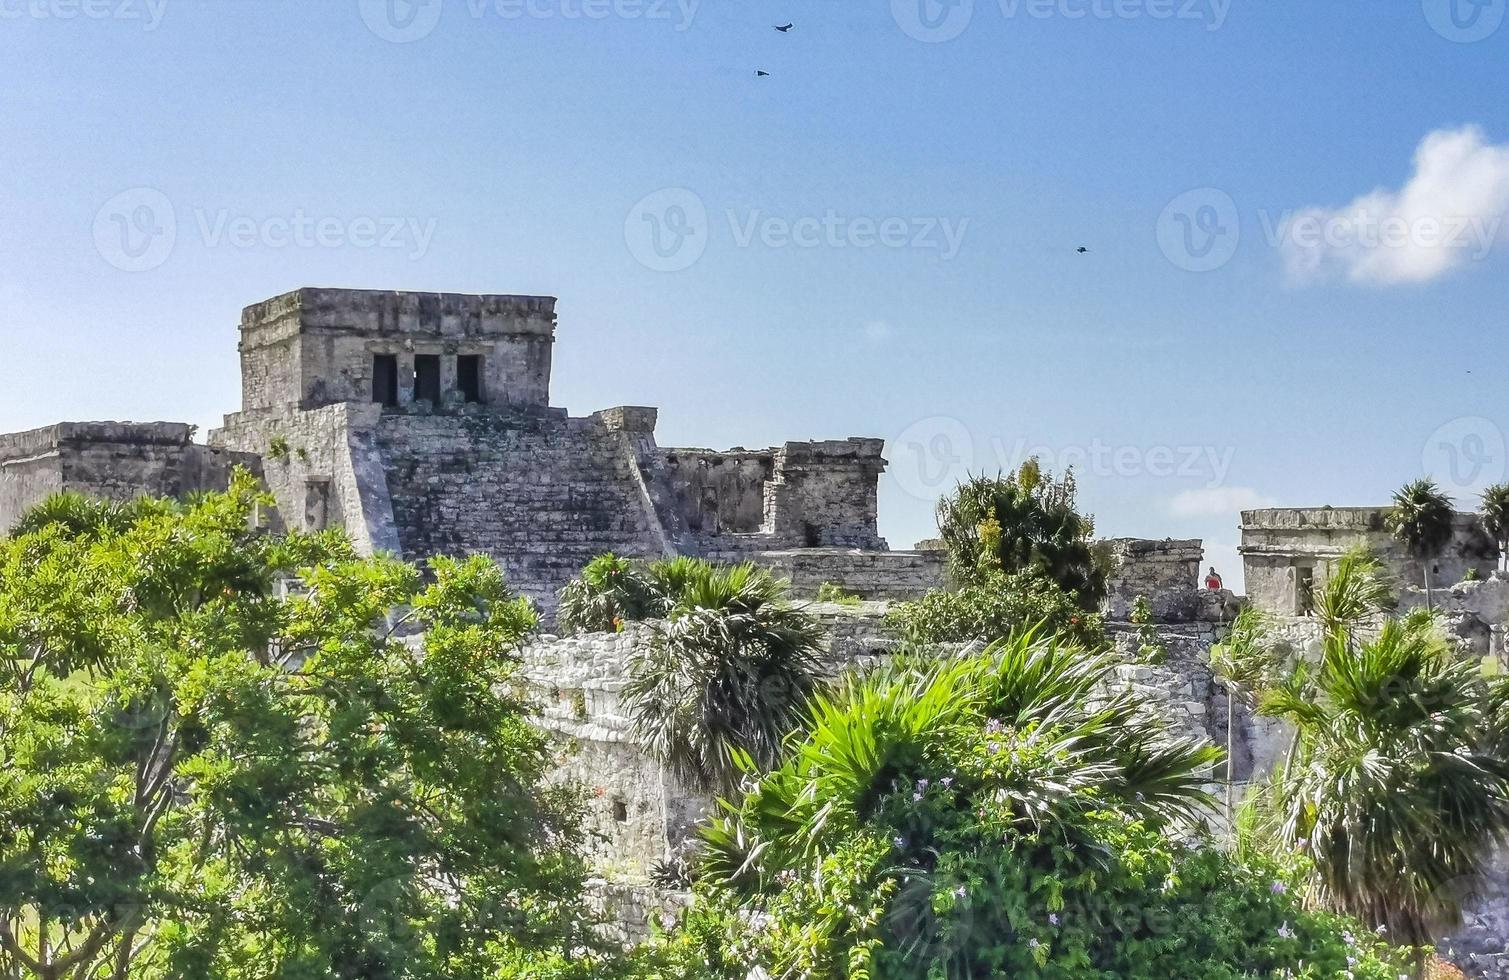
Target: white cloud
{"points": [[1217, 501], [1447, 214]]}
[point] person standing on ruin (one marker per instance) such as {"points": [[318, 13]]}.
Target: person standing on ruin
{"points": [[1213, 580]]}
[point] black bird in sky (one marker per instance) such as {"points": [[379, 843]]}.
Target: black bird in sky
{"points": [[785, 29], [761, 74], [1081, 250]]}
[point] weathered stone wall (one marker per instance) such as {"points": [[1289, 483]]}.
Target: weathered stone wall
{"points": [[1165, 572], [637, 813], [329, 472], [712, 494], [825, 494], [542, 495], [1481, 945], [867, 574], [110, 460], [1475, 613], [315, 347], [1279, 545]]}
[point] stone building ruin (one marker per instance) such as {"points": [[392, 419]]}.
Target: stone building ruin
{"points": [[421, 423]]}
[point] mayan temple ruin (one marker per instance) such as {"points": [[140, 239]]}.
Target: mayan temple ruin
{"points": [[421, 424]]}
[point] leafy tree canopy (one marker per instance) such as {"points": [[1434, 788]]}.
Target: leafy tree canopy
{"points": [[204, 773]]}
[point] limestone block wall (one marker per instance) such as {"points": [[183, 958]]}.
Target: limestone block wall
{"points": [[1165, 572], [638, 814], [1475, 613], [110, 460], [314, 347], [327, 470], [825, 494], [1279, 546], [542, 495], [867, 574]]}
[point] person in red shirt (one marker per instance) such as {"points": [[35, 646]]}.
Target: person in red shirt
{"points": [[1213, 581]]}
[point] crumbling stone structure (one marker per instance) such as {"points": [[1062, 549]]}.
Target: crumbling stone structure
{"points": [[1287, 552], [421, 422], [109, 460]]}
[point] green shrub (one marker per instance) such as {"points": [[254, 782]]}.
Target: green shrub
{"points": [[995, 606], [990, 817], [833, 592], [1025, 521], [610, 592]]}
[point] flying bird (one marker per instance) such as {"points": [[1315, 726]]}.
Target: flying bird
{"points": [[1081, 250], [785, 29], [761, 74]]}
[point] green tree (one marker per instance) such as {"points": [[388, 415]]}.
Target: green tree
{"points": [[1393, 786], [1421, 520], [727, 674], [610, 591], [1496, 519], [1027, 520], [205, 774], [990, 816]]}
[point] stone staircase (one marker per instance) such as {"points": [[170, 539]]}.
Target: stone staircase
{"points": [[542, 495]]}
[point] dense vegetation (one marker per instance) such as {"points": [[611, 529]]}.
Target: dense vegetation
{"points": [[1396, 786], [233, 753], [989, 817], [204, 777]]}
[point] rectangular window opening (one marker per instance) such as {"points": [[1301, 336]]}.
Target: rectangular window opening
{"points": [[385, 380], [427, 378], [469, 377]]}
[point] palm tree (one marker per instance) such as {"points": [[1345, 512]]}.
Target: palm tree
{"points": [[1496, 518], [726, 676], [1421, 520], [1391, 785], [610, 592], [888, 727], [1356, 590]]}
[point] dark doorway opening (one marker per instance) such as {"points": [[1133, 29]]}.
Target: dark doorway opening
{"points": [[427, 378], [469, 377], [385, 380]]}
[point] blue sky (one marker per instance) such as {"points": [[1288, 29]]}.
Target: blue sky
{"points": [[877, 239]]}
